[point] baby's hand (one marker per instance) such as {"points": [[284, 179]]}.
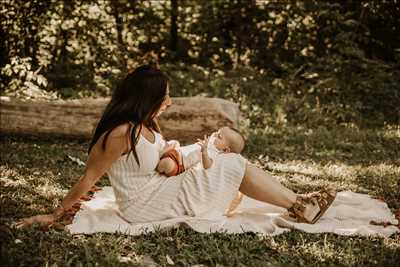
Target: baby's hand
{"points": [[175, 143], [203, 143]]}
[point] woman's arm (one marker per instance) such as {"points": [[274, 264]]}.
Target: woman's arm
{"points": [[97, 164]]}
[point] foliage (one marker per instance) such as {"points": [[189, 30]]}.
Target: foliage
{"points": [[25, 82], [329, 92], [330, 61]]}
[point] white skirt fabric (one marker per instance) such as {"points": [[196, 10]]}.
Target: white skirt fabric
{"points": [[195, 193]]}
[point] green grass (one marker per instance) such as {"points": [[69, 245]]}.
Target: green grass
{"points": [[35, 173]]}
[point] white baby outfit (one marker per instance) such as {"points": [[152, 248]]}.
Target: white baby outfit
{"points": [[144, 195], [191, 154]]}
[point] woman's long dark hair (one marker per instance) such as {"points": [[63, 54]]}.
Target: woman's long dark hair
{"points": [[136, 100]]}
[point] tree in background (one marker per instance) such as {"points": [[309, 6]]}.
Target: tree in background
{"points": [[335, 58]]}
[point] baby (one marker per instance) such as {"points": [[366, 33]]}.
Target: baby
{"points": [[225, 140]]}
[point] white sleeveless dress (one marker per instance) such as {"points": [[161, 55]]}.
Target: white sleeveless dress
{"points": [[143, 195]]}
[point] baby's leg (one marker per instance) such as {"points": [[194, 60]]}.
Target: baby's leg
{"points": [[167, 166]]}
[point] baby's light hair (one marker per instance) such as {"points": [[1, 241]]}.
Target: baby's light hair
{"points": [[234, 146]]}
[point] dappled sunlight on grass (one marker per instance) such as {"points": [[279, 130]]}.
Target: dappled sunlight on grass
{"points": [[310, 168], [392, 131], [340, 250], [346, 145], [42, 180], [50, 191], [6, 178], [328, 249], [333, 171], [25, 193]]}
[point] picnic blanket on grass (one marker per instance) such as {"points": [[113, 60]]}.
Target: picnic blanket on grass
{"points": [[350, 214]]}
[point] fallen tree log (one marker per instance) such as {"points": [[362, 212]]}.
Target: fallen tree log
{"points": [[186, 120]]}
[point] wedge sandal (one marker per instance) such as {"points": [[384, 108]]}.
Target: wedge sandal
{"points": [[309, 208]]}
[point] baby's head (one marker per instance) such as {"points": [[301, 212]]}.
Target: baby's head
{"points": [[228, 139]]}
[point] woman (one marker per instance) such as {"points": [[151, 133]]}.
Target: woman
{"points": [[127, 145]]}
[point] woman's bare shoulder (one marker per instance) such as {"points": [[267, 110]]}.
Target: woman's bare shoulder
{"points": [[122, 130], [122, 134]]}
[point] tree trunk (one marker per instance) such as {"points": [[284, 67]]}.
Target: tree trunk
{"points": [[186, 120], [3, 48], [174, 25], [116, 10]]}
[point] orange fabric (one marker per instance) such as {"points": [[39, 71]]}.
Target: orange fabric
{"points": [[174, 155]]}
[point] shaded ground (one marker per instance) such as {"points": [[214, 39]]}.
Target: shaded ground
{"points": [[35, 174]]}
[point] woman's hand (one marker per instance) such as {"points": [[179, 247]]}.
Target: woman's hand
{"points": [[42, 220]]}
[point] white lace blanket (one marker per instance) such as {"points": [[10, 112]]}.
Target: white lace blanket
{"points": [[350, 214]]}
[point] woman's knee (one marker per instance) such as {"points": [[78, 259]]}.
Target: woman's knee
{"points": [[232, 158]]}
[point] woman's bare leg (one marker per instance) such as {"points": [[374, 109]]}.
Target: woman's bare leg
{"points": [[260, 185]]}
